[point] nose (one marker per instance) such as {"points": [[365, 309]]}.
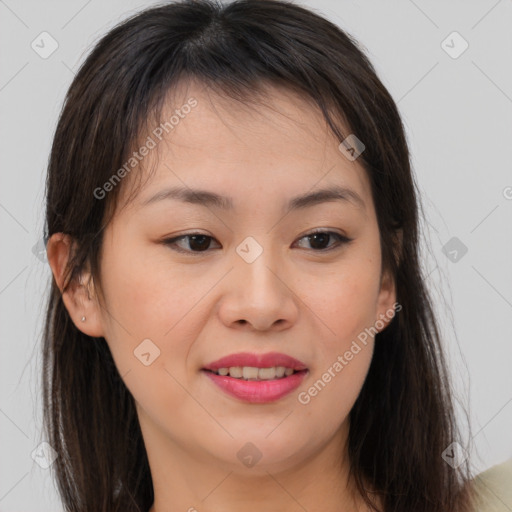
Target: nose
{"points": [[259, 296]]}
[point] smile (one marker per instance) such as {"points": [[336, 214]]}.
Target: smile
{"points": [[253, 373], [246, 384]]}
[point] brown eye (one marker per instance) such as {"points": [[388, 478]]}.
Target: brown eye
{"points": [[197, 243], [319, 240]]}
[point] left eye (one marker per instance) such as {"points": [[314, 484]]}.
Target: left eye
{"points": [[320, 237], [199, 243]]}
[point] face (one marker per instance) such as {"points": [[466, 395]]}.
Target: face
{"points": [[186, 283]]}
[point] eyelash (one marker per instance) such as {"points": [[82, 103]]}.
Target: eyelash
{"points": [[342, 240]]}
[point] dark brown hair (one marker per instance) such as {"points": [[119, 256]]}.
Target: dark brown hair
{"points": [[403, 418]]}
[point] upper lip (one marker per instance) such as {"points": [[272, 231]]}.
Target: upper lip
{"points": [[268, 360]]}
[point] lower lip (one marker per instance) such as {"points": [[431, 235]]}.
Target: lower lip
{"points": [[258, 391]]}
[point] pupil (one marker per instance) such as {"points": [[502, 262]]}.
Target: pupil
{"points": [[322, 236], [203, 245]]}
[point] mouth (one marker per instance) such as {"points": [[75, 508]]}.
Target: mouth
{"points": [[253, 373], [253, 389], [256, 378]]}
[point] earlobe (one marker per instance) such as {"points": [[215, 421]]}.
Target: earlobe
{"points": [[387, 294], [79, 297], [386, 302]]}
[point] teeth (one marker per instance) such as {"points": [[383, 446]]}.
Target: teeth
{"points": [[265, 373], [252, 373], [236, 371], [249, 372], [280, 371]]}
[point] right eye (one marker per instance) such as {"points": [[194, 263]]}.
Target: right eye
{"points": [[197, 243]]}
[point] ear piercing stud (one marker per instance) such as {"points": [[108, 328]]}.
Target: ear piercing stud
{"points": [[83, 319]]}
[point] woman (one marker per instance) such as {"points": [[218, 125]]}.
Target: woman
{"points": [[238, 317]]}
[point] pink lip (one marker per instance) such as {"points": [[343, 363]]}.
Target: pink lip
{"points": [[257, 391], [268, 360]]}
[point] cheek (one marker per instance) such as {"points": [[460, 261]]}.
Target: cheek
{"points": [[345, 350], [148, 300], [345, 300], [348, 307], [143, 294], [148, 329]]}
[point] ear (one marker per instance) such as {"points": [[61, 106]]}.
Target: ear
{"points": [[80, 298], [387, 294]]}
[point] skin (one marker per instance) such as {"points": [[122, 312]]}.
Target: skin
{"points": [[306, 302]]}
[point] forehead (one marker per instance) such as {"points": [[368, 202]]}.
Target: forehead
{"points": [[279, 142]]}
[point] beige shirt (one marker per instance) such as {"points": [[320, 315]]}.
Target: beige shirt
{"points": [[495, 488]]}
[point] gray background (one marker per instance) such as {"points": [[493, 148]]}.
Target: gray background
{"points": [[458, 116]]}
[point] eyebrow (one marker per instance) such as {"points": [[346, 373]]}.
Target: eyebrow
{"points": [[211, 199]]}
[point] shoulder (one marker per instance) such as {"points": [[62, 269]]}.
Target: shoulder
{"points": [[494, 488]]}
